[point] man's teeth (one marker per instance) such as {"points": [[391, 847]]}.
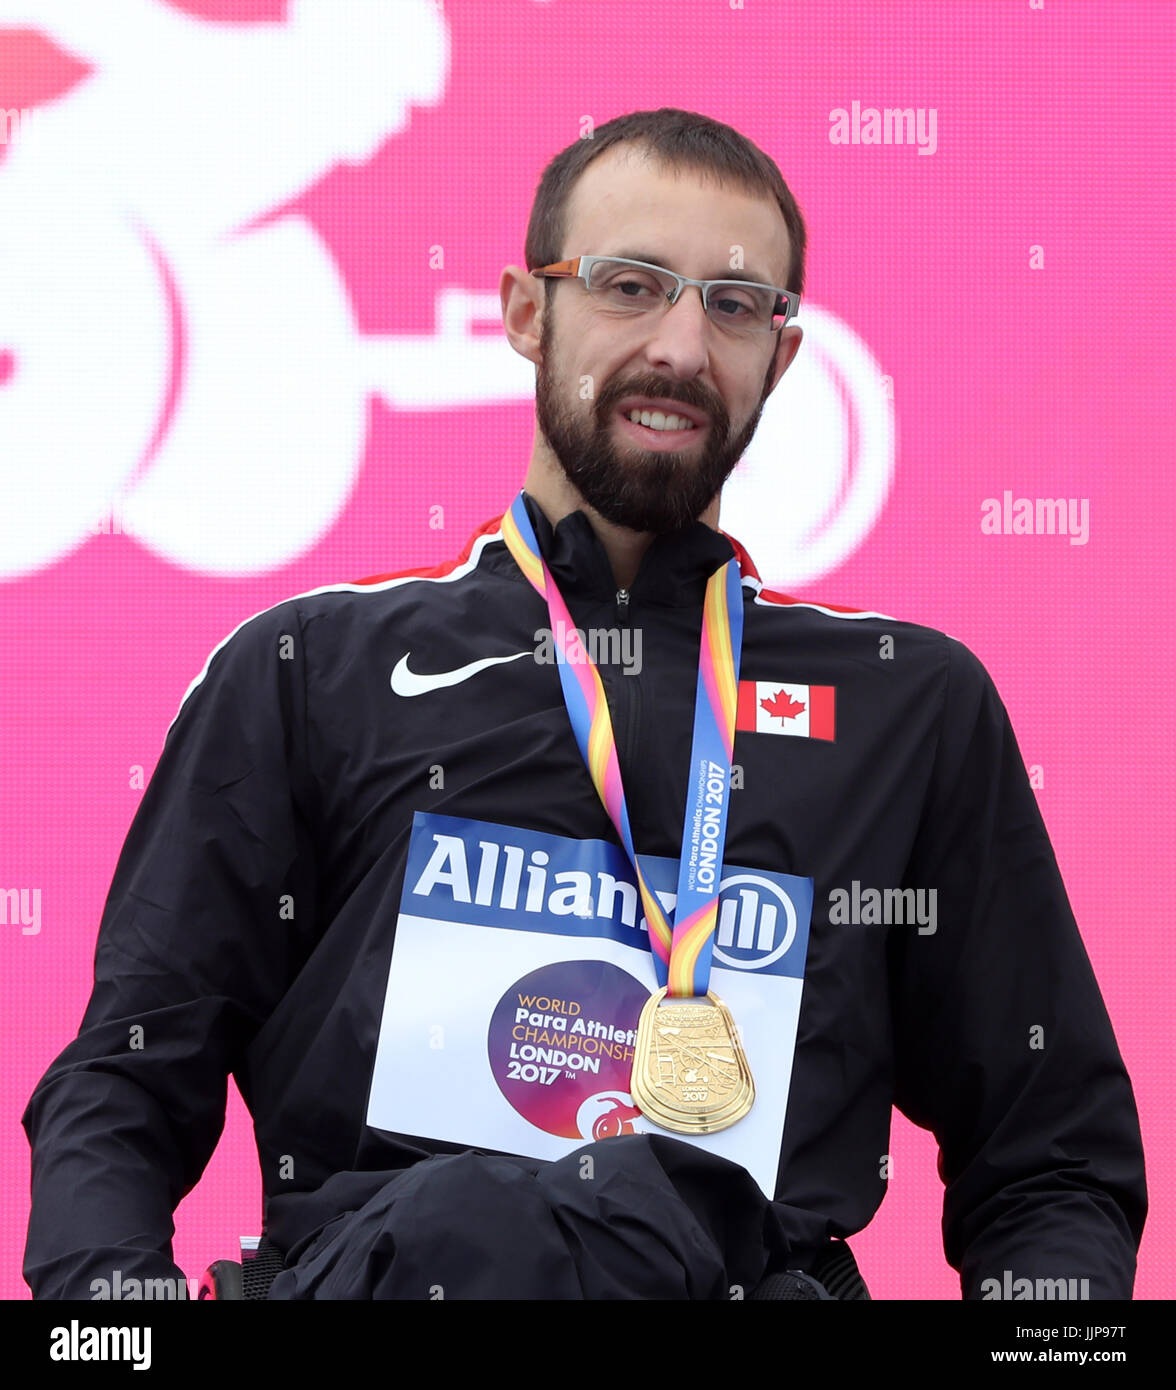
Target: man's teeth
{"points": [[658, 420]]}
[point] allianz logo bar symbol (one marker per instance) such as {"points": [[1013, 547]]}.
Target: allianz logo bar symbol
{"points": [[749, 922]]}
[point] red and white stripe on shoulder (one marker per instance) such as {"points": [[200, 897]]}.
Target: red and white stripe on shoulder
{"points": [[773, 597], [488, 529], [450, 569]]}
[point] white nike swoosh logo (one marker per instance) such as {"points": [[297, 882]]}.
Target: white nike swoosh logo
{"points": [[406, 682]]}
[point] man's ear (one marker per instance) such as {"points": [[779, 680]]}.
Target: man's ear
{"points": [[786, 349], [521, 296]]}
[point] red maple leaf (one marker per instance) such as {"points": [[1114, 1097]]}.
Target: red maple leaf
{"points": [[783, 706]]}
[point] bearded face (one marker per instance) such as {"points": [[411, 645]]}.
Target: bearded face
{"points": [[630, 484]]}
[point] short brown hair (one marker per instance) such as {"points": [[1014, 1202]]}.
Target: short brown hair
{"points": [[676, 140]]}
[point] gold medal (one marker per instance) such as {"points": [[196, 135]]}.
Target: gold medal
{"points": [[690, 1074]]}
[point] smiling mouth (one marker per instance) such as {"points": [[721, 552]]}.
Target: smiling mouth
{"points": [[658, 417], [655, 434]]}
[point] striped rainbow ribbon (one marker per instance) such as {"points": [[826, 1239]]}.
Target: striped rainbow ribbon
{"points": [[682, 953]]}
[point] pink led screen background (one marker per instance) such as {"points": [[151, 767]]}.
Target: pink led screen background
{"points": [[249, 259]]}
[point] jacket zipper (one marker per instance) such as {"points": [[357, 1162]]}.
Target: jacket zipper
{"points": [[627, 737]]}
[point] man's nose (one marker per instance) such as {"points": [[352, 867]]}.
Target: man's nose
{"points": [[681, 336]]}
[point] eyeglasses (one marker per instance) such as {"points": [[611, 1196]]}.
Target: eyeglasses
{"points": [[635, 287]]}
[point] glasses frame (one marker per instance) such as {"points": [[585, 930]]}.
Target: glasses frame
{"points": [[580, 268]]}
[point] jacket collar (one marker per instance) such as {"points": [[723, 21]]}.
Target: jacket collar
{"points": [[673, 571]]}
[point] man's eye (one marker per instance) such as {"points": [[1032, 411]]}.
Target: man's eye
{"points": [[634, 285], [732, 308]]}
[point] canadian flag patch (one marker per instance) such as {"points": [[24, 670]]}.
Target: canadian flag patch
{"points": [[782, 707]]}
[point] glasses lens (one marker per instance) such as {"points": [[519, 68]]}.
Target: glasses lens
{"points": [[628, 288], [743, 308]]}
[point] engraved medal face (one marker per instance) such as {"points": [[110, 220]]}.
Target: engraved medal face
{"points": [[690, 1074]]}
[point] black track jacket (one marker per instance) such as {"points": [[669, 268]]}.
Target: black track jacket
{"points": [[293, 770]]}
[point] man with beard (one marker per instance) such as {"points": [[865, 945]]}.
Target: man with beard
{"points": [[647, 355], [537, 977]]}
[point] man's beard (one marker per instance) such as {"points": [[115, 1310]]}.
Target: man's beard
{"points": [[643, 489]]}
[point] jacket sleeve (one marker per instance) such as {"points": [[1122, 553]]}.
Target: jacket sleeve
{"points": [[206, 920], [1003, 1046]]}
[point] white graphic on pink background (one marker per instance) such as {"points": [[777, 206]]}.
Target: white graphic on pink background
{"points": [[217, 382]]}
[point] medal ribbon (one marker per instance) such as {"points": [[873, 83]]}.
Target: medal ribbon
{"points": [[681, 953]]}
